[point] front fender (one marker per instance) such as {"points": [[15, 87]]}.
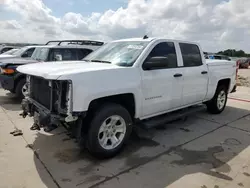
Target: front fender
{"points": [[94, 85]]}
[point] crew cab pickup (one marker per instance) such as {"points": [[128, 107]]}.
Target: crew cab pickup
{"points": [[125, 83]]}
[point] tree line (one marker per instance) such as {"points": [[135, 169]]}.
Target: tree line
{"points": [[234, 53]]}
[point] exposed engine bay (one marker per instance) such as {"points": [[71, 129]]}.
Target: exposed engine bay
{"points": [[48, 101]]}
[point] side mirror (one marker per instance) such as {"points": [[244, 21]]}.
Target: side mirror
{"points": [[155, 63], [58, 57]]}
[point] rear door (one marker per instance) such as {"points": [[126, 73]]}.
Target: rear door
{"points": [[195, 74]]}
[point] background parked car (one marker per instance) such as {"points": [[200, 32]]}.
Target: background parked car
{"points": [[24, 52], [4, 48], [244, 63], [15, 82], [215, 56], [10, 52]]}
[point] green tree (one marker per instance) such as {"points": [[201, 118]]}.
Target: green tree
{"points": [[234, 53]]}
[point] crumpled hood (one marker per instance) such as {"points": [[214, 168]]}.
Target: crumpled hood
{"points": [[53, 70]]}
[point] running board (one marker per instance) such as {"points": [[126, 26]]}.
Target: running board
{"points": [[169, 117]]}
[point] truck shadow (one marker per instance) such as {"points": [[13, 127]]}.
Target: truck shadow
{"points": [[70, 166]]}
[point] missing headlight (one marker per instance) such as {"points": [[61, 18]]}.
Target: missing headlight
{"points": [[64, 94]]}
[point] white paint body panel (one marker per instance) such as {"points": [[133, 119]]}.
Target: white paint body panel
{"points": [[220, 69], [155, 92], [5, 56]]}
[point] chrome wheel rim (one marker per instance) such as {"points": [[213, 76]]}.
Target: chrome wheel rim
{"points": [[25, 89], [112, 132], [221, 100]]}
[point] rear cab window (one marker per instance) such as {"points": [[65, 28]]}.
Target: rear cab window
{"points": [[191, 55]]}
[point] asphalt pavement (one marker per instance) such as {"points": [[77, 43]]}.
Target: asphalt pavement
{"points": [[203, 151]]}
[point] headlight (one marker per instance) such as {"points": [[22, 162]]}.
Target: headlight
{"points": [[7, 71]]}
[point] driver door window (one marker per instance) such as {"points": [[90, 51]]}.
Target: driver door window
{"points": [[167, 50]]}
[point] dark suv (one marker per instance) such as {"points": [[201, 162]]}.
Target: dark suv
{"points": [[15, 81]]}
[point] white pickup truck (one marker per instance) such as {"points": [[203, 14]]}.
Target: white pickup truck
{"points": [[123, 84]]}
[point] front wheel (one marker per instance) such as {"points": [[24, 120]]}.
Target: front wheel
{"points": [[109, 129], [21, 88], [218, 103]]}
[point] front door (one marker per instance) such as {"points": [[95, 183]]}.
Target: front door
{"points": [[162, 86]]}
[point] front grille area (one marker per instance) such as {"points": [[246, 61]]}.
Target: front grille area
{"points": [[40, 91]]}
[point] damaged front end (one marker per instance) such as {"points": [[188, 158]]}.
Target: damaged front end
{"points": [[49, 102]]}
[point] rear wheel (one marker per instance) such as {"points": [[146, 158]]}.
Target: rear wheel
{"points": [[218, 103], [21, 88], [109, 129]]}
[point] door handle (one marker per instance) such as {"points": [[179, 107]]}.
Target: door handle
{"points": [[204, 72], [178, 75]]}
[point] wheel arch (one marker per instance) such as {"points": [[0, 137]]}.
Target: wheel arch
{"points": [[226, 82], [127, 100], [17, 78]]}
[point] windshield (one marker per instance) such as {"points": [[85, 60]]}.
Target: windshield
{"points": [[40, 54], [20, 51], [10, 52], [123, 53]]}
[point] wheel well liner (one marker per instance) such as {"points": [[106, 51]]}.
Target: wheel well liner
{"points": [[226, 82], [18, 78], [127, 100]]}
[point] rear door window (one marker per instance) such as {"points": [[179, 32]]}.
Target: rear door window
{"points": [[191, 55]]}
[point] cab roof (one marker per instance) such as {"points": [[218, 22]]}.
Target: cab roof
{"points": [[150, 39]]}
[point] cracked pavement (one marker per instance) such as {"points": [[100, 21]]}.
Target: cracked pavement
{"points": [[203, 151]]}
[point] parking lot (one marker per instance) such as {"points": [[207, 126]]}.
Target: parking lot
{"points": [[202, 151]]}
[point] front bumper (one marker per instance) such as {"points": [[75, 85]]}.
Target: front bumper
{"points": [[42, 116], [7, 82]]}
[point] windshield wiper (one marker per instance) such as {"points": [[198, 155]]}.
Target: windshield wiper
{"points": [[100, 61]]}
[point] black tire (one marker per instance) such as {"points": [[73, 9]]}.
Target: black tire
{"points": [[19, 87], [212, 106], [103, 113]]}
